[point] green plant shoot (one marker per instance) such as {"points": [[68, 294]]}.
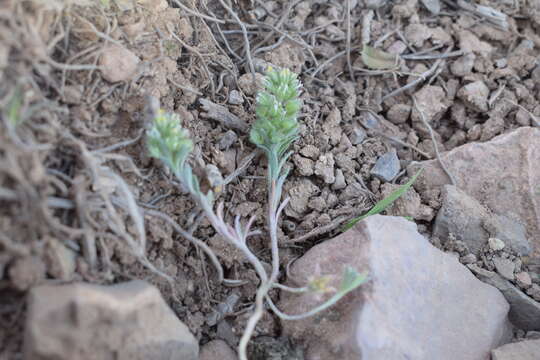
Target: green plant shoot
{"points": [[384, 203]]}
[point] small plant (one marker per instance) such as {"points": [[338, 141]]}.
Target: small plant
{"points": [[384, 203], [274, 131]]}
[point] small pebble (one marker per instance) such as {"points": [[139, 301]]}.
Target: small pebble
{"points": [[387, 166], [495, 244], [235, 98], [468, 259], [339, 183], [118, 63], [534, 292], [504, 267], [227, 140], [358, 136], [523, 280]]}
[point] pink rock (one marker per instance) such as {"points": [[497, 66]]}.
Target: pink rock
{"points": [[522, 350], [118, 63], [86, 322], [217, 350], [420, 303], [502, 174]]}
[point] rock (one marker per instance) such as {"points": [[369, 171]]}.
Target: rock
{"points": [[495, 244], [398, 314], [534, 292], [504, 267], [118, 63], [417, 34], [469, 42], [340, 180], [227, 140], [217, 349], [246, 84], [324, 168], [408, 204], [374, 4], [463, 66], [432, 102], [60, 261], [399, 113], [26, 272], [125, 321], [304, 165], [310, 151], [358, 135], [287, 55], [387, 166], [523, 279], [524, 311], [235, 98], [522, 350], [463, 217], [505, 182], [511, 232], [468, 259], [300, 194], [475, 96], [434, 6]]}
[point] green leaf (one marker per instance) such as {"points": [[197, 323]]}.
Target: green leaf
{"points": [[384, 203], [378, 59]]}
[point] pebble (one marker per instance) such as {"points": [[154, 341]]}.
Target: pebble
{"points": [[339, 183], [358, 136], [534, 292], [505, 267], [475, 96], [118, 63], [387, 166], [495, 244], [324, 167], [399, 113], [227, 140], [235, 98], [523, 279], [468, 259]]}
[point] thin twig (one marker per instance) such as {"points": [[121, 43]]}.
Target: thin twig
{"points": [[244, 32], [435, 146], [418, 80], [192, 12]]}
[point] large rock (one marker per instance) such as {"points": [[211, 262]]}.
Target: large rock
{"points": [[502, 174], [522, 350], [125, 321], [420, 303], [524, 311], [463, 217]]}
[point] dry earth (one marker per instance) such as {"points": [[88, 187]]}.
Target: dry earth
{"points": [[77, 84]]}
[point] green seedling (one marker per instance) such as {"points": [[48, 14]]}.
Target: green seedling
{"points": [[274, 131], [384, 203]]}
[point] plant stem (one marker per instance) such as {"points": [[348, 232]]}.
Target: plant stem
{"points": [[262, 292]]}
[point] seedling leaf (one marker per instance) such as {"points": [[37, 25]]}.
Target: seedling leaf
{"points": [[378, 59], [384, 203], [351, 280]]}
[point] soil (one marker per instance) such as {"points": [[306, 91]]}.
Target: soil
{"points": [[73, 153]]}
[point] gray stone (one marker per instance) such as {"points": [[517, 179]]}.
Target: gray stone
{"points": [[387, 166], [505, 177], [463, 217], [118, 63], [524, 311], [227, 140], [523, 279], [463, 66], [496, 244], [235, 98], [434, 6], [358, 136], [505, 267], [397, 315], [324, 168], [340, 180], [124, 321], [217, 349], [511, 232], [468, 259], [522, 350]]}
